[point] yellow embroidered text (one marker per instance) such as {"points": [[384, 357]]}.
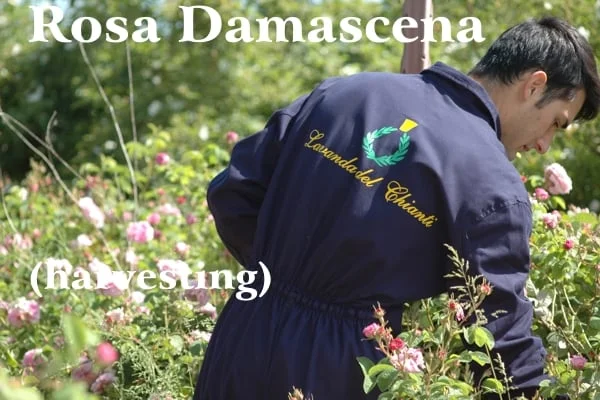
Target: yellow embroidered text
{"points": [[346, 165], [399, 195]]}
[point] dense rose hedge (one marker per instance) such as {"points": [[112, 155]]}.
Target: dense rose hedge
{"points": [[122, 341]]}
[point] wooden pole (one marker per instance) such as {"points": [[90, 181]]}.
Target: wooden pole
{"points": [[416, 54]]}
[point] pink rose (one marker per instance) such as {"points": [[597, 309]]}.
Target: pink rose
{"points": [[231, 137], [153, 219], [541, 194], [91, 211], [33, 358], [169, 209], [209, 309], [458, 310], [140, 232], [557, 180], [23, 312], [408, 360], [106, 354], [578, 362], [196, 294], [371, 330], [103, 381], [396, 344], [84, 371], [176, 269], [550, 220], [162, 159], [569, 244], [191, 219], [115, 316]]}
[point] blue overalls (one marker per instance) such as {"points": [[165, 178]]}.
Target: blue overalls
{"points": [[348, 196]]}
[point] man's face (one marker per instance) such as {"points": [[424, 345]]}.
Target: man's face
{"points": [[533, 128]]}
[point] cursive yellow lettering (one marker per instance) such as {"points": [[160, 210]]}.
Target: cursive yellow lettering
{"points": [[346, 165], [399, 195]]}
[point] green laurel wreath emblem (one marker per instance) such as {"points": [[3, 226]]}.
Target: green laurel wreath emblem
{"points": [[387, 160]]}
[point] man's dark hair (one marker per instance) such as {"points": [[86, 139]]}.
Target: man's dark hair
{"points": [[553, 46]]}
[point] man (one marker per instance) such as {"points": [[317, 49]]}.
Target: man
{"points": [[349, 194]]}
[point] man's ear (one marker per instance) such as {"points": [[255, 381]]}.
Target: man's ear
{"points": [[534, 83]]}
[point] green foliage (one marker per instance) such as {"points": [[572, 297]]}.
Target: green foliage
{"points": [[228, 86]]}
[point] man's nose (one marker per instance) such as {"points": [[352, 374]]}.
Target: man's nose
{"points": [[543, 144]]}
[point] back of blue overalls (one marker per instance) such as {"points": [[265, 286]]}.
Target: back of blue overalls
{"points": [[348, 196]]}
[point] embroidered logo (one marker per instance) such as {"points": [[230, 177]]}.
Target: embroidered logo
{"points": [[403, 145]]}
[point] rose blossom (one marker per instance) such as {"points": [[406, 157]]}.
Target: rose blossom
{"points": [[115, 316], [162, 159], [578, 362], [91, 211], [232, 137], [209, 309], [84, 371], [176, 269], [23, 312], [33, 358], [557, 180], [153, 219], [196, 294], [541, 194], [569, 244], [550, 220], [103, 381], [457, 308], [396, 344], [140, 232], [371, 330], [106, 354], [169, 209], [408, 360]]}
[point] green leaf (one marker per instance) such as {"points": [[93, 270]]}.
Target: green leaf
{"points": [[10, 359], [176, 342], [483, 337], [77, 336], [386, 379], [492, 385], [480, 358], [379, 368], [468, 333], [465, 357], [365, 365], [558, 202], [585, 218], [387, 396], [196, 349]]}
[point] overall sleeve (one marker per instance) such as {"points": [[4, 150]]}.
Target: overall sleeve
{"points": [[236, 194], [497, 247]]}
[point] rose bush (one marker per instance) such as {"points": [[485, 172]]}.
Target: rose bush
{"points": [[118, 341], [564, 287]]}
